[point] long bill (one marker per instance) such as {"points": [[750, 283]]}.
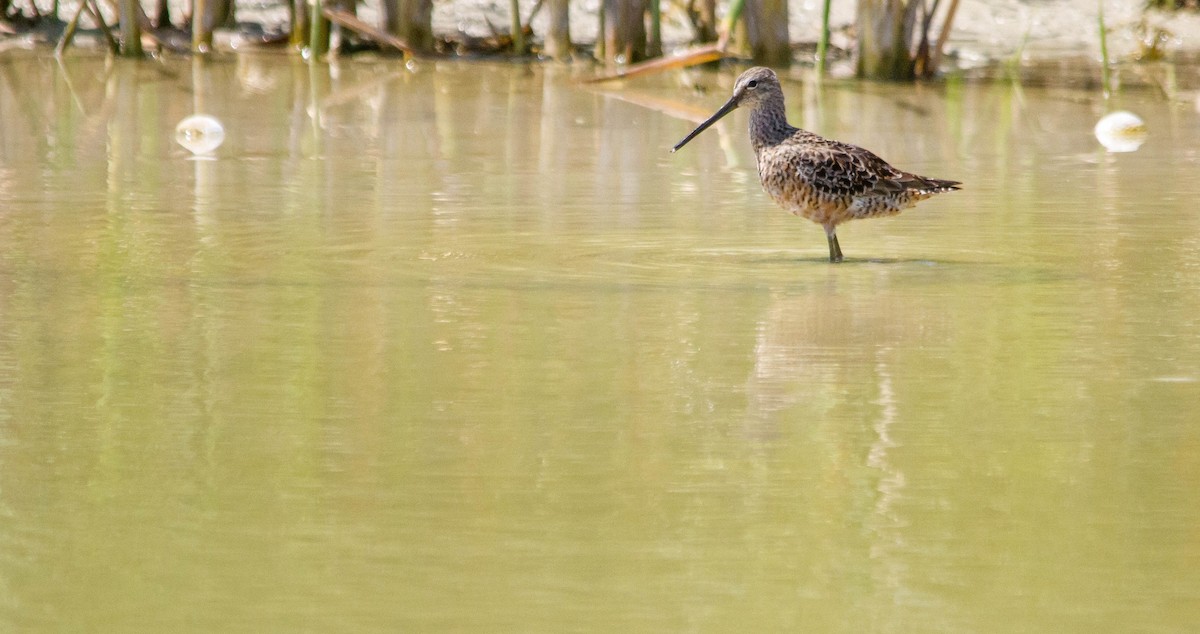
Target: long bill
{"points": [[725, 109]]}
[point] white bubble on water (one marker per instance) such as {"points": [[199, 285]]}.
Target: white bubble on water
{"points": [[200, 133], [1121, 131]]}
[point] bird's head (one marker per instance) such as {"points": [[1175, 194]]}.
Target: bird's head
{"points": [[755, 85], [751, 88]]}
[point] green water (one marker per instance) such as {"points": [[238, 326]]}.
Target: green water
{"points": [[465, 349]]}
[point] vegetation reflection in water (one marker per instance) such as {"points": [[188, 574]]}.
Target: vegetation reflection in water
{"points": [[469, 350]]}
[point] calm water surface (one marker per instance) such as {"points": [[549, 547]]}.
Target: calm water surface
{"points": [[465, 349]]}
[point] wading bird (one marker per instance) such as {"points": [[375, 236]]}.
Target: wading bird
{"points": [[826, 181]]}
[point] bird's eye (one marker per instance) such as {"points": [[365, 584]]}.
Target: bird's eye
{"points": [[753, 83]]}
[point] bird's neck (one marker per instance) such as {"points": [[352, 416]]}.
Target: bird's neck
{"points": [[768, 124]]}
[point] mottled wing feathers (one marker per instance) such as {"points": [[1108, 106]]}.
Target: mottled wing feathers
{"points": [[835, 172], [840, 169]]}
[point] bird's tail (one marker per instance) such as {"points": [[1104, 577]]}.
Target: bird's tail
{"points": [[938, 185]]}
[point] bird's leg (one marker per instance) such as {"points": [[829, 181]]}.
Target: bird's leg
{"points": [[835, 249]]}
